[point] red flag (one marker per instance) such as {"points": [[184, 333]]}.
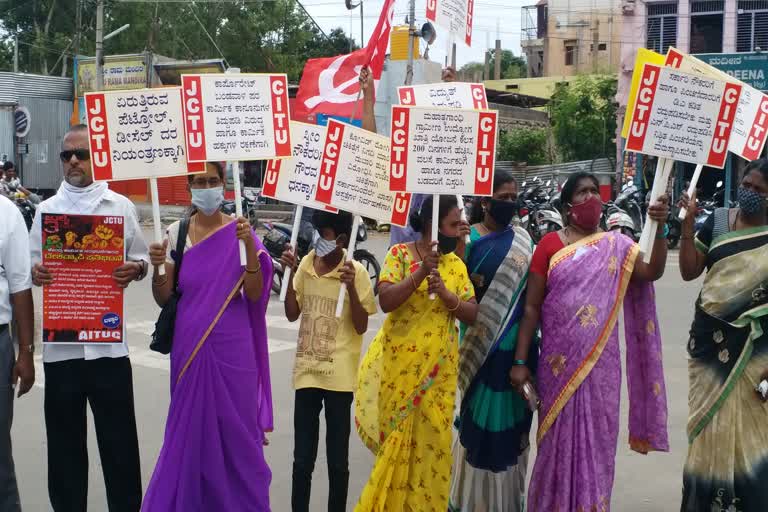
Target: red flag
{"points": [[329, 85]]}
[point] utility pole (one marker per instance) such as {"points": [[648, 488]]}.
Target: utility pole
{"points": [[453, 56], [99, 45], [78, 27], [16, 50], [411, 41], [595, 45], [487, 67], [497, 61]]}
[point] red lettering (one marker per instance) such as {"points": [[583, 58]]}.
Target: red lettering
{"points": [[269, 187], [407, 97], [757, 134], [400, 208], [278, 86], [398, 156], [479, 99], [192, 104], [468, 32], [98, 136], [486, 151], [719, 148], [330, 161], [432, 10], [674, 58], [643, 103]]}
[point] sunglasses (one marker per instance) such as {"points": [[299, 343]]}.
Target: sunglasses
{"points": [[81, 154]]}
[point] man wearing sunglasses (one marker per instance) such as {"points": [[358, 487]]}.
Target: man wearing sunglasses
{"points": [[99, 375]]}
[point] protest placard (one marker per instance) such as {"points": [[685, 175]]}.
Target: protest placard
{"points": [[294, 179], [453, 15], [750, 126], [644, 56], [84, 304], [354, 175], [683, 116], [236, 117], [137, 134], [442, 151], [448, 95]]}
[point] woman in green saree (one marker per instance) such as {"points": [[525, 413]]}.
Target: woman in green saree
{"points": [[727, 465]]}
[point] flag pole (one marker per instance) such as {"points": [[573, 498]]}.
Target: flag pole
{"points": [[411, 41]]}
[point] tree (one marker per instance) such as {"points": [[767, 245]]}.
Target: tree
{"points": [[524, 145], [255, 36], [511, 67], [583, 115]]}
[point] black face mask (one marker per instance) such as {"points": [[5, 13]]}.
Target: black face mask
{"points": [[446, 244], [502, 211]]}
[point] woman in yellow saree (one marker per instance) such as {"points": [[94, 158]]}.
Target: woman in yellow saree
{"points": [[407, 380]]}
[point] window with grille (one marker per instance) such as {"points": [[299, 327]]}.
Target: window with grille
{"points": [[707, 26], [661, 26], [570, 52], [752, 26]]}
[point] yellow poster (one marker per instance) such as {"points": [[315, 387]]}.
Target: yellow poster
{"points": [[644, 57], [119, 73]]}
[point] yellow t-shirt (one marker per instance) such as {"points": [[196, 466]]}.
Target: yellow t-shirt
{"points": [[328, 351]]}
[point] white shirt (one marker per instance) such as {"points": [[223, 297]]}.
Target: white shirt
{"points": [[137, 250], [14, 257]]}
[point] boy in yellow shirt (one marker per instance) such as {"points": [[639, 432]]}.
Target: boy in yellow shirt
{"points": [[327, 355]]}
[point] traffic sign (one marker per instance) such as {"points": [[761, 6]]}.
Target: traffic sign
{"points": [[750, 68], [21, 119]]}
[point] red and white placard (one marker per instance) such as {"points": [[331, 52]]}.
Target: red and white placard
{"points": [[137, 134], [455, 16], [294, 179], [236, 117], [683, 116], [354, 176], [449, 95], [750, 126], [442, 151]]}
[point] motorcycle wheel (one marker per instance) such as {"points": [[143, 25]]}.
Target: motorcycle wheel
{"points": [[370, 264], [277, 281]]}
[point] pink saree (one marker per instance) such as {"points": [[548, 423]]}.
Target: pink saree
{"points": [[579, 374]]}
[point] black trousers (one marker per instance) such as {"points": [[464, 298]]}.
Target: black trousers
{"points": [[107, 384], [306, 427]]}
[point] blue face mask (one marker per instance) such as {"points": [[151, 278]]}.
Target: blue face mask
{"points": [[750, 202], [207, 200]]}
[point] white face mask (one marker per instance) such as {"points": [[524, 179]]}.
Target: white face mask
{"points": [[207, 200], [324, 247]]}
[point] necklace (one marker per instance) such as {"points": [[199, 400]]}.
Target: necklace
{"points": [[416, 246]]}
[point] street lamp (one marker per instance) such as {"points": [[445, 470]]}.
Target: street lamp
{"points": [[100, 38], [350, 6]]}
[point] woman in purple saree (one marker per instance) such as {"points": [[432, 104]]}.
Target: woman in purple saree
{"points": [[212, 456], [578, 280]]}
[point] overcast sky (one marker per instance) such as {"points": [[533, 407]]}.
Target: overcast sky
{"points": [[488, 14]]}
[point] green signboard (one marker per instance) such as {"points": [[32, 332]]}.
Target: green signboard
{"points": [[750, 68]]}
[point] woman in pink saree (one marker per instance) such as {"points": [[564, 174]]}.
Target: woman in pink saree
{"points": [[579, 278]]}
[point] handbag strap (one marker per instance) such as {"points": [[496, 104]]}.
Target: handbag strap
{"points": [[181, 243], [210, 327]]}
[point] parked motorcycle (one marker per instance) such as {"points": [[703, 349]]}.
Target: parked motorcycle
{"points": [[279, 234], [26, 206], [540, 208], [706, 207]]}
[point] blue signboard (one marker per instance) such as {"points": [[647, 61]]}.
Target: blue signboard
{"points": [[750, 68], [322, 120]]}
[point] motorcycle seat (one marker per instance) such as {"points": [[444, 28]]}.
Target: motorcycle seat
{"points": [[285, 228]]}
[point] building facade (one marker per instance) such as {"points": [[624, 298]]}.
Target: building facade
{"points": [[570, 37]]}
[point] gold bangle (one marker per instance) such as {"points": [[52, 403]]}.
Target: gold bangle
{"points": [[458, 303], [160, 283], [253, 271]]}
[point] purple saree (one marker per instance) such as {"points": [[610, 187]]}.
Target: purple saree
{"points": [[212, 456], [579, 374]]}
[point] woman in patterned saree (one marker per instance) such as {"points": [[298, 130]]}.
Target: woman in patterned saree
{"points": [[727, 465], [579, 277], [490, 454], [407, 379]]}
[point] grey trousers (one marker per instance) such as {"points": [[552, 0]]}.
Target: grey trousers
{"points": [[9, 492]]}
